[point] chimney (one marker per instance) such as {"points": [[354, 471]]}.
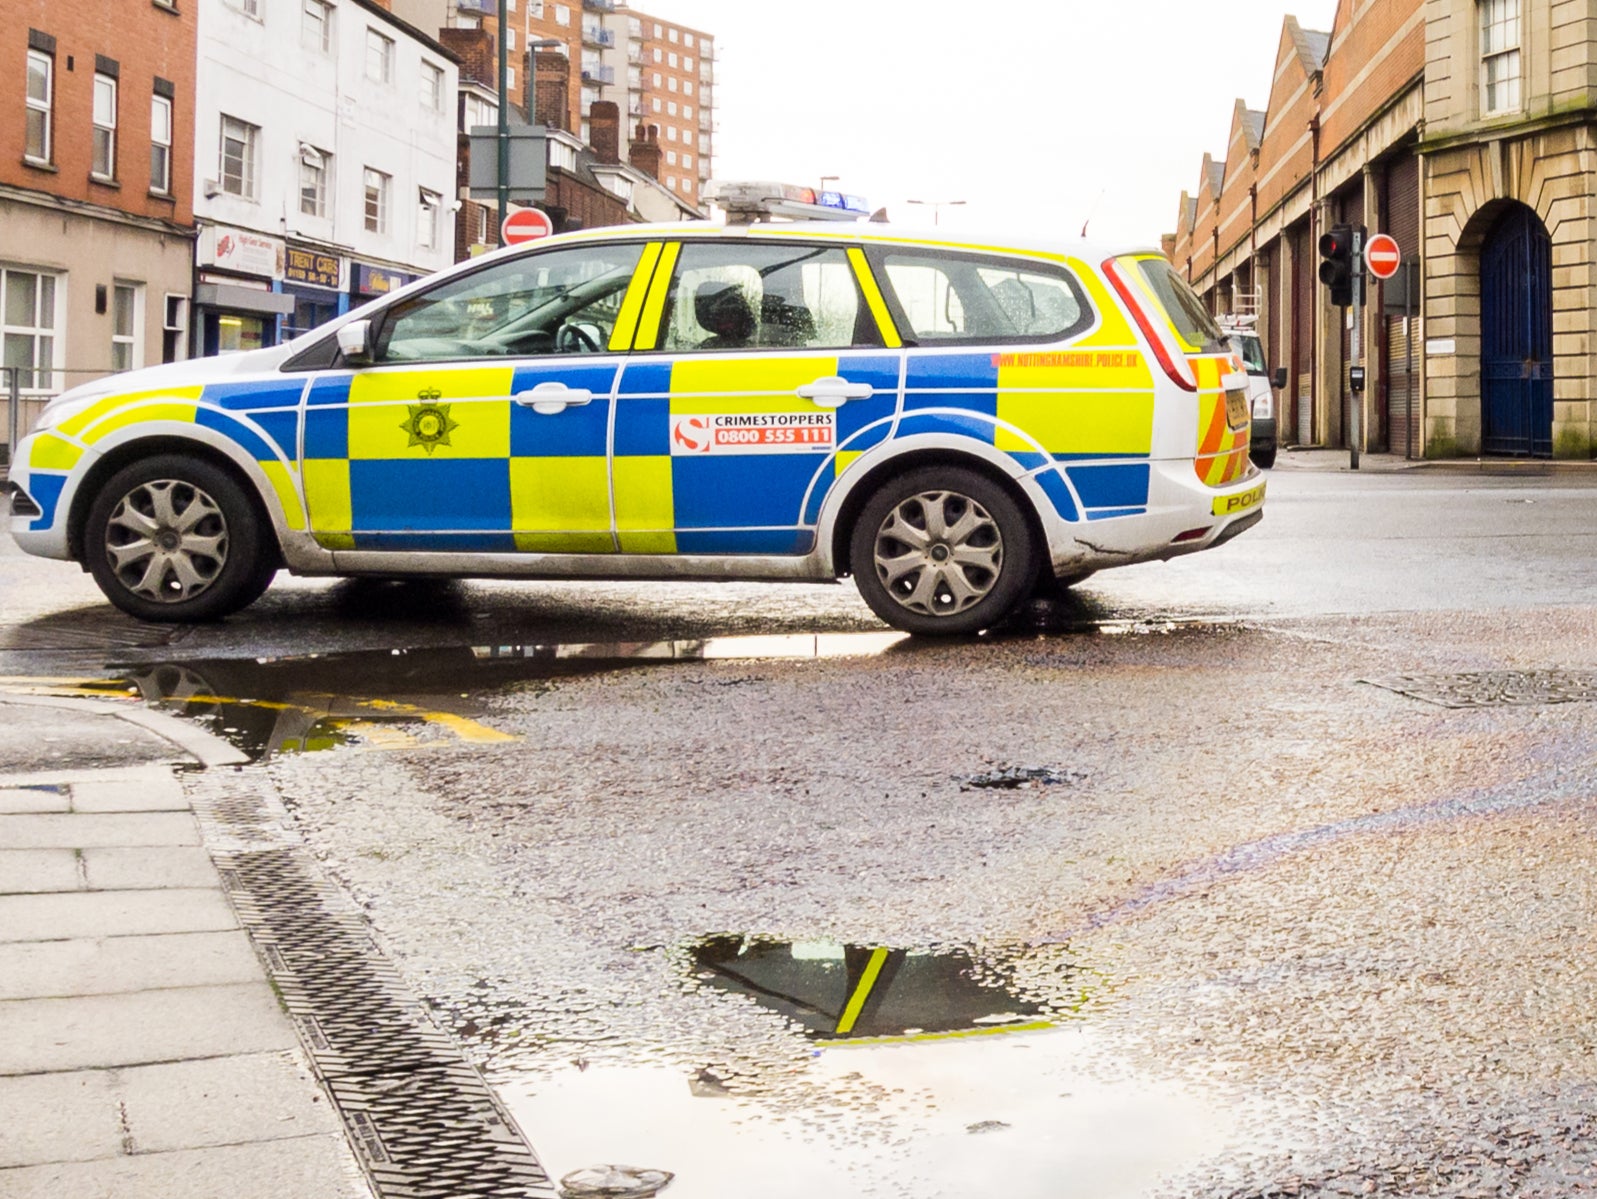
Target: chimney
{"points": [[475, 48], [604, 130], [549, 79], [644, 152]]}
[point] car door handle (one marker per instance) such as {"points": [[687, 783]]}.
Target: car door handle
{"points": [[550, 399], [833, 391]]}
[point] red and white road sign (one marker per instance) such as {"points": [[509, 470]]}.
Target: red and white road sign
{"points": [[1382, 256], [524, 225]]}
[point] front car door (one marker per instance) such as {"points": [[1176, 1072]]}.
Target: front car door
{"points": [[760, 371], [482, 423]]}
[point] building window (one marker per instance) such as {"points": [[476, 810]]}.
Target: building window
{"points": [[671, 107], [125, 321], [427, 219], [671, 133], [510, 78], [687, 87], [671, 82], [687, 62], [658, 54], [656, 78], [687, 137], [1499, 55], [687, 40], [41, 92], [238, 157], [313, 165], [27, 310], [250, 8], [379, 57], [687, 160], [160, 144], [432, 87], [376, 201], [687, 111], [656, 102], [671, 158], [671, 61], [562, 15], [104, 164], [316, 27], [510, 40]]}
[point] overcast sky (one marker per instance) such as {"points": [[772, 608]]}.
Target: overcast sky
{"points": [[1041, 115]]}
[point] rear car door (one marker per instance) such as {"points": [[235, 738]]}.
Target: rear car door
{"points": [[482, 423], [760, 371]]}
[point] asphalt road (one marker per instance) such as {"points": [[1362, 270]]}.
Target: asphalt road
{"points": [[1266, 871]]}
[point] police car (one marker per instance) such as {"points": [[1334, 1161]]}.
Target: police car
{"points": [[950, 420]]}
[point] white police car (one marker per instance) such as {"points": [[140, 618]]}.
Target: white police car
{"points": [[947, 419]]}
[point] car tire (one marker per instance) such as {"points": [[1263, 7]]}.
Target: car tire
{"points": [[1264, 459], [175, 539], [942, 551]]}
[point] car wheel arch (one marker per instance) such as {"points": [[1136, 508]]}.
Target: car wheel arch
{"points": [[852, 502], [114, 458]]}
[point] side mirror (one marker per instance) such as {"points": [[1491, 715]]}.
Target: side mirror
{"points": [[355, 343], [1278, 380]]}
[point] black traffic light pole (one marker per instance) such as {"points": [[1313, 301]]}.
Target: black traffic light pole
{"points": [[1343, 272]]}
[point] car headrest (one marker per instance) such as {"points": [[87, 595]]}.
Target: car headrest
{"points": [[724, 310]]}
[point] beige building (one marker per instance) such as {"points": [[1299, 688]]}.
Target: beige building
{"points": [[1464, 128]]}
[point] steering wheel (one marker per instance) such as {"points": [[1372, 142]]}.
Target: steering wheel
{"points": [[575, 339]]}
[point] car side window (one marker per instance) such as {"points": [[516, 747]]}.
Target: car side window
{"points": [[756, 296], [556, 302], [954, 299]]}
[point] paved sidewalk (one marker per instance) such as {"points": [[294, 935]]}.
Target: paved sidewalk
{"points": [[143, 1054]]}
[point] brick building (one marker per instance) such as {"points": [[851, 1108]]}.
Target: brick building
{"points": [[669, 75], [96, 183], [1464, 128]]}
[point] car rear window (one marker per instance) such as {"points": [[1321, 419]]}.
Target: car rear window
{"points": [[1185, 312], [953, 299]]}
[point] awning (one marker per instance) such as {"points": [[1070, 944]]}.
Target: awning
{"points": [[243, 299]]}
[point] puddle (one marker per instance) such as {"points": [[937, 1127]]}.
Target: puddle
{"points": [[835, 992], [402, 699]]}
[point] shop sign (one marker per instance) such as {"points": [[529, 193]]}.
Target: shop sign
{"points": [[379, 280], [315, 268], [242, 251]]}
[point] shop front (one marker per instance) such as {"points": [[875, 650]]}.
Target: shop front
{"points": [[314, 279], [368, 282], [235, 305]]}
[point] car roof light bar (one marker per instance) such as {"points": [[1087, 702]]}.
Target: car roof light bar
{"points": [[747, 202]]}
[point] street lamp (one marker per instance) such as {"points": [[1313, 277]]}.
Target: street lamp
{"points": [[936, 206]]}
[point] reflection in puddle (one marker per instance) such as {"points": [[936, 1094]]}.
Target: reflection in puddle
{"points": [[835, 992], [399, 699]]}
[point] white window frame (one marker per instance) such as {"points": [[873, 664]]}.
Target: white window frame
{"points": [[133, 339], [432, 86], [249, 137], [383, 188], [562, 14], [429, 205], [36, 331], [1502, 26], [45, 105], [316, 25], [160, 151], [103, 116], [383, 46], [315, 168]]}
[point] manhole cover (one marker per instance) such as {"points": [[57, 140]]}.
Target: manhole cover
{"points": [[1495, 688]]}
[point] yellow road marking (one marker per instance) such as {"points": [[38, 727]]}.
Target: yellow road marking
{"points": [[856, 1001], [903, 1039]]}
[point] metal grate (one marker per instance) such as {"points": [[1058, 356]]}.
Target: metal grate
{"points": [[1495, 688], [423, 1121]]}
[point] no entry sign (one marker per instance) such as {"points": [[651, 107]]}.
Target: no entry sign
{"points": [[525, 224], [1382, 256]]}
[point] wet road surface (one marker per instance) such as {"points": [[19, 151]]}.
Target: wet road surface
{"points": [[1264, 872]]}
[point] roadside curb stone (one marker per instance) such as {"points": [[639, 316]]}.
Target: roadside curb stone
{"points": [[143, 1052]]}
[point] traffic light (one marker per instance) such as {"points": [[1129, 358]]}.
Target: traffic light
{"points": [[1336, 272]]}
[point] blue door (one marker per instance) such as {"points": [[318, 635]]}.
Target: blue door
{"points": [[1517, 338]]}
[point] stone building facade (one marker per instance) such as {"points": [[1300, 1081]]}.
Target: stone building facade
{"points": [[1464, 128]]}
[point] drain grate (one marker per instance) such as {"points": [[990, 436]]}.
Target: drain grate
{"points": [[1495, 688], [424, 1123]]}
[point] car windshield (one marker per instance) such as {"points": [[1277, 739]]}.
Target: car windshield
{"points": [[1252, 352]]}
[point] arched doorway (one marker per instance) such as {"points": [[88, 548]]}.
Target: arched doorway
{"points": [[1517, 337]]}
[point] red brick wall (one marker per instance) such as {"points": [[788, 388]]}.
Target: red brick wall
{"points": [[1286, 155], [1368, 39], [148, 41], [1207, 222], [1235, 217]]}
